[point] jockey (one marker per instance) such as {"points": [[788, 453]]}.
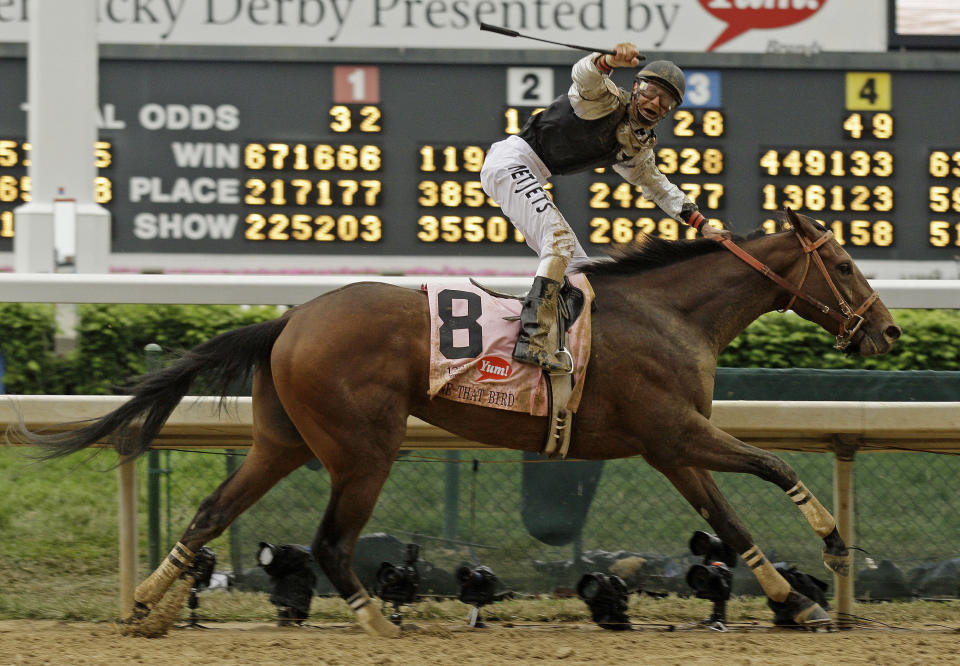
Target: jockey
{"points": [[595, 124]]}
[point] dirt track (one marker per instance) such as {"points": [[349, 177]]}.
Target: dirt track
{"points": [[49, 642]]}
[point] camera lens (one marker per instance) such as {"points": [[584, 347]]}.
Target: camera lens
{"points": [[265, 556], [700, 577], [589, 588], [702, 543], [388, 574]]}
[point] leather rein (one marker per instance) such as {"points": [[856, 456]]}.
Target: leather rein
{"points": [[849, 319]]}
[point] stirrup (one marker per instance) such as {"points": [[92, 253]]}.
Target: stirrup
{"points": [[565, 352]]}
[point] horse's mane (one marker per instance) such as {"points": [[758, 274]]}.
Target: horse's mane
{"points": [[647, 253]]}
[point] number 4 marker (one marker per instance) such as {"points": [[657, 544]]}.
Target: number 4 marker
{"points": [[868, 91]]}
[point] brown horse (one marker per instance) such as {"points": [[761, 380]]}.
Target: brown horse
{"points": [[336, 379]]}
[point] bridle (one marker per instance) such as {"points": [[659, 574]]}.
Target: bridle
{"points": [[849, 319]]}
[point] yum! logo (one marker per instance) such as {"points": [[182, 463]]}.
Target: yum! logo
{"points": [[494, 367], [743, 15]]}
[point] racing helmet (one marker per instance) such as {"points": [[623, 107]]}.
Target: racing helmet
{"points": [[666, 74]]}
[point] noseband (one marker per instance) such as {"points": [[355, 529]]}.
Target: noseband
{"points": [[849, 319]]}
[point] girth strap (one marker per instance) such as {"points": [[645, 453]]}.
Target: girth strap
{"points": [[559, 389]]}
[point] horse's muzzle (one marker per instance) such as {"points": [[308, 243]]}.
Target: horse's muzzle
{"points": [[870, 345]]}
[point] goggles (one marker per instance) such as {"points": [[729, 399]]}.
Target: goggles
{"points": [[650, 90]]}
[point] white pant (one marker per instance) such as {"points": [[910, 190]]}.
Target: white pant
{"points": [[514, 177]]}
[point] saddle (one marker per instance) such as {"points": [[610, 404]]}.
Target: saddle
{"points": [[560, 385]]}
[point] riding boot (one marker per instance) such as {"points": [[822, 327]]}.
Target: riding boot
{"points": [[539, 328]]}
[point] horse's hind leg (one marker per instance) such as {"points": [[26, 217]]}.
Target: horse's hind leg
{"points": [[699, 488], [277, 450], [258, 473], [347, 369], [238, 492], [720, 452]]}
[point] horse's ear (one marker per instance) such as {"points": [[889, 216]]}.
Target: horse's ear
{"points": [[801, 224]]}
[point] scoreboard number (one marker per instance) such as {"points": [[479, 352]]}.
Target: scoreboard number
{"points": [[355, 84], [529, 86], [352, 166], [703, 89], [868, 91]]}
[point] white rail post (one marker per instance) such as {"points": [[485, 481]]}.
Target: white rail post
{"points": [[127, 495], [62, 91], [844, 447]]}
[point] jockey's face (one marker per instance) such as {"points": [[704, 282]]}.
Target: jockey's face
{"points": [[651, 102]]}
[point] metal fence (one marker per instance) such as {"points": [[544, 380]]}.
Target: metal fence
{"points": [[474, 507]]}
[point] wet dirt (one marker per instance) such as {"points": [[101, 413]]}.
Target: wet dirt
{"points": [[53, 642]]}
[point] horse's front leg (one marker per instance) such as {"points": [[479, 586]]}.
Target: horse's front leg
{"points": [[718, 451], [836, 556], [350, 506], [699, 488], [358, 469]]}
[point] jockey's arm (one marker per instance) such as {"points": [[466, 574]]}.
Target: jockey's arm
{"points": [[593, 94], [641, 170]]}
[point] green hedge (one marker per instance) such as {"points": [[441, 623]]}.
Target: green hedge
{"points": [[111, 338], [111, 341], [26, 340]]}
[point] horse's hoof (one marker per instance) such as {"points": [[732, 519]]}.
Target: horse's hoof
{"points": [[137, 615], [140, 626], [838, 563], [376, 624], [798, 612], [128, 627], [812, 616]]}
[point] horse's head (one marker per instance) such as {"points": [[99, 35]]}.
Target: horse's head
{"points": [[853, 311]]}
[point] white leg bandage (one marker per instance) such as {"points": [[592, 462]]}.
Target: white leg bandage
{"points": [[819, 518], [157, 583], [774, 585], [370, 618]]}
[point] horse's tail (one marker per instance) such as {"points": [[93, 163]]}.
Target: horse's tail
{"points": [[222, 361]]}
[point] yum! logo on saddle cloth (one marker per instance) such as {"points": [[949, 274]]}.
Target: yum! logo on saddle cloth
{"points": [[472, 335]]}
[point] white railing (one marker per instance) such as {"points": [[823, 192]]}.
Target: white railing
{"points": [[295, 289], [809, 426]]}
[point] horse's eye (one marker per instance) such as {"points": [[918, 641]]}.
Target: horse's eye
{"points": [[844, 269]]}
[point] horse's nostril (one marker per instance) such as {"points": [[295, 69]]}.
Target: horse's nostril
{"points": [[892, 333]]}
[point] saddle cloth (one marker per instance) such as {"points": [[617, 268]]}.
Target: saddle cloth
{"points": [[471, 347]]}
